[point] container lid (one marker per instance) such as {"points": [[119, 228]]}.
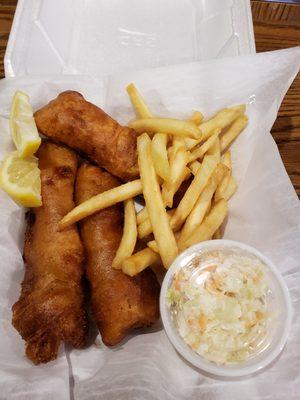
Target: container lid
{"points": [[98, 37], [280, 302]]}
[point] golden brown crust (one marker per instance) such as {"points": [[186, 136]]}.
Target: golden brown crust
{"points": [[71, 120], [119, 302], [50, 308]]}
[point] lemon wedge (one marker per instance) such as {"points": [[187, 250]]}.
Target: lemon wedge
{"points": [[22, 125], [20, 178]]}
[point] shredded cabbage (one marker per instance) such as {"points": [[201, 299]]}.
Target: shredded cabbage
{"points": [[218, 304]]}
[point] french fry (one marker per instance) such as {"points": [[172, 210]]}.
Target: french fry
{"points": [[197, 117], [215, 150], [203, 203], [197, 148], [178, 144], [169, 190], [160, 155], [221, 120], [166, 125], [145, 228], [159, 151], [178, 161], [200, 151], [129, 237], [191, 143], [140, 261], [101, 201], [153, 246], [232, 133], [186, 175], [230, 189], [222, 187], [138, 102], [142, 215], [194, 166], [193, 192], [157, 214], [226, 159], [240, 108], [208, 226]]}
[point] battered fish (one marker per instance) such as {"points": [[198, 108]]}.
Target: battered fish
{"points": [[119, 302], [50, 309], [71, 120]]}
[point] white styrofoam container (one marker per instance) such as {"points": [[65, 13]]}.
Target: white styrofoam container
{"points": [[100, 37]]}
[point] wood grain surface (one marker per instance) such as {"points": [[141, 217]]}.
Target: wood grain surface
{"points": [[276, 26], [7, 10]]}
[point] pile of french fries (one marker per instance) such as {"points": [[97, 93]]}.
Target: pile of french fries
{"points": [[171, 151]]}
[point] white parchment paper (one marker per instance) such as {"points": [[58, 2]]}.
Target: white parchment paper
{"points": [[265, 213]]}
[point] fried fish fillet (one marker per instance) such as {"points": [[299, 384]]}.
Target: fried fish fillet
{"points": [[119, 302], [50, 309], [72, 120]]}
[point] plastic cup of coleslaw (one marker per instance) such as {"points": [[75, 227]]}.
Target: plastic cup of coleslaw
{"points": [[225, 308]]}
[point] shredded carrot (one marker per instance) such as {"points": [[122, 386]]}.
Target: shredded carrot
{"points": [[218, 281], [259, 315], [211, 286], [176, 283], [203, 322]]}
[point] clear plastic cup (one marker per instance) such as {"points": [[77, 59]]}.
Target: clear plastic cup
{"points": [[277, 332]]}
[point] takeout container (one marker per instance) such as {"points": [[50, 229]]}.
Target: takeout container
{"points": [[281, 306], [100, 37], [64, 37]]}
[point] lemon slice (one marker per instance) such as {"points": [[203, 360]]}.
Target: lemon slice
{"points": [[22, 125], [20, 178]]}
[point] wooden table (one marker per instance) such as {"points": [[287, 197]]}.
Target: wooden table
{"points": [[276, 26]]}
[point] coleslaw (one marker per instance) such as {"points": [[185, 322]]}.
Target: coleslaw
{"points": [[218, 303]]}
